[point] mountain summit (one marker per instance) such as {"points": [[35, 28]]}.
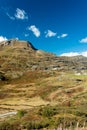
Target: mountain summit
{"points": [[18, 57], [17, 44]]}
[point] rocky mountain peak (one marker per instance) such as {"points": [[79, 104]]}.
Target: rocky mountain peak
{"points": [[17, 44]]}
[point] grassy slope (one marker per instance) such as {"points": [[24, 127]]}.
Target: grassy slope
{"points": [[64, 92], [46, 95]]}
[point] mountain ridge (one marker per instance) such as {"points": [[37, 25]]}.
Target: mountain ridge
{"points": [[22, 43], [17, 57]]}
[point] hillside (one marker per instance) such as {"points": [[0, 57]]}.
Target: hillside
{"points": [[17, 57], [44, 85]]}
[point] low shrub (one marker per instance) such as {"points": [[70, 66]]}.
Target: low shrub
{"points": [[21, 113], [8, 126], [47, 111], [37, 125]]}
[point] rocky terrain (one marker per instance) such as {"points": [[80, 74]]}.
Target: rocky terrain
{"points": [[41, 87]]}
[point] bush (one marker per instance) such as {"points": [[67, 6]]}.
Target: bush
{"points": [[66, 122], [5, 126], [37, 125], [21, 113], [8, 126], [81, 114], [2, 77], [47, 111]]}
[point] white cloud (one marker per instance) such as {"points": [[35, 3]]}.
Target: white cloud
{"points": [[84, 54], [84, 40], [26, 35], [70, 54], [35, 30], [2, 38], [62, 36], [21, 14], [11, 17], [50, 33]]}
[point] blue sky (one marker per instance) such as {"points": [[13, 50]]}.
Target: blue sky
{"points": [[57, 26]]}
